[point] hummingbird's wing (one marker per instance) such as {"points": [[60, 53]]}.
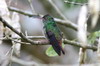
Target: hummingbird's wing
{"points": [[55, 44], [44, 32]]}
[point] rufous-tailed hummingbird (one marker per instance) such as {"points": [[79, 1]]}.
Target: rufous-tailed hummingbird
{"points": [[53, 34]]}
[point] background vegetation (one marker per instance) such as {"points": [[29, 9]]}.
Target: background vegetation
{"points": [[22, 41]]}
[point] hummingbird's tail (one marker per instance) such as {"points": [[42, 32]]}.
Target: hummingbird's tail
{"points": [[58, 49], [56, 45], [62, 51]]}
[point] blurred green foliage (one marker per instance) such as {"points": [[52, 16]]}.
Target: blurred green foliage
{"points": [[93, 36]]}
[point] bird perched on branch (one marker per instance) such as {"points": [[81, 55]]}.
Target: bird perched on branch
{"points": [[53, 34]]}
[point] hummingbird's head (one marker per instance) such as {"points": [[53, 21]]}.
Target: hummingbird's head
{"points": [[47, 18]]}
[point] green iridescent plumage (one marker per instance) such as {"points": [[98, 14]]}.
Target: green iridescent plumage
{"points": [[53, 34]]}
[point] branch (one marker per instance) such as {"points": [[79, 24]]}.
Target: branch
{"points": [[69, 42], [57, 9], [44, 42], [32, 8], [66, 23], [38, 42], [22, 12], [74, 3], [19, 33], [94, 48]]}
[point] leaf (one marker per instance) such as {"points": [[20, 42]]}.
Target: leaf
{"points": [[51, 52], [93, 36]]}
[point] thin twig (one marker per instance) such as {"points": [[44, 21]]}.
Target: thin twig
{"points": [[57, 9], [74, 3], [22, 12], [29, 37], [41, 42], [32, 8]]}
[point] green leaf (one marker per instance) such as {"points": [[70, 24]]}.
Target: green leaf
{"points": [[93, 36], [51, 52]]}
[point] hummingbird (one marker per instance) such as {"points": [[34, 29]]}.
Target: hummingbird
{"points": [[53, 34]]}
